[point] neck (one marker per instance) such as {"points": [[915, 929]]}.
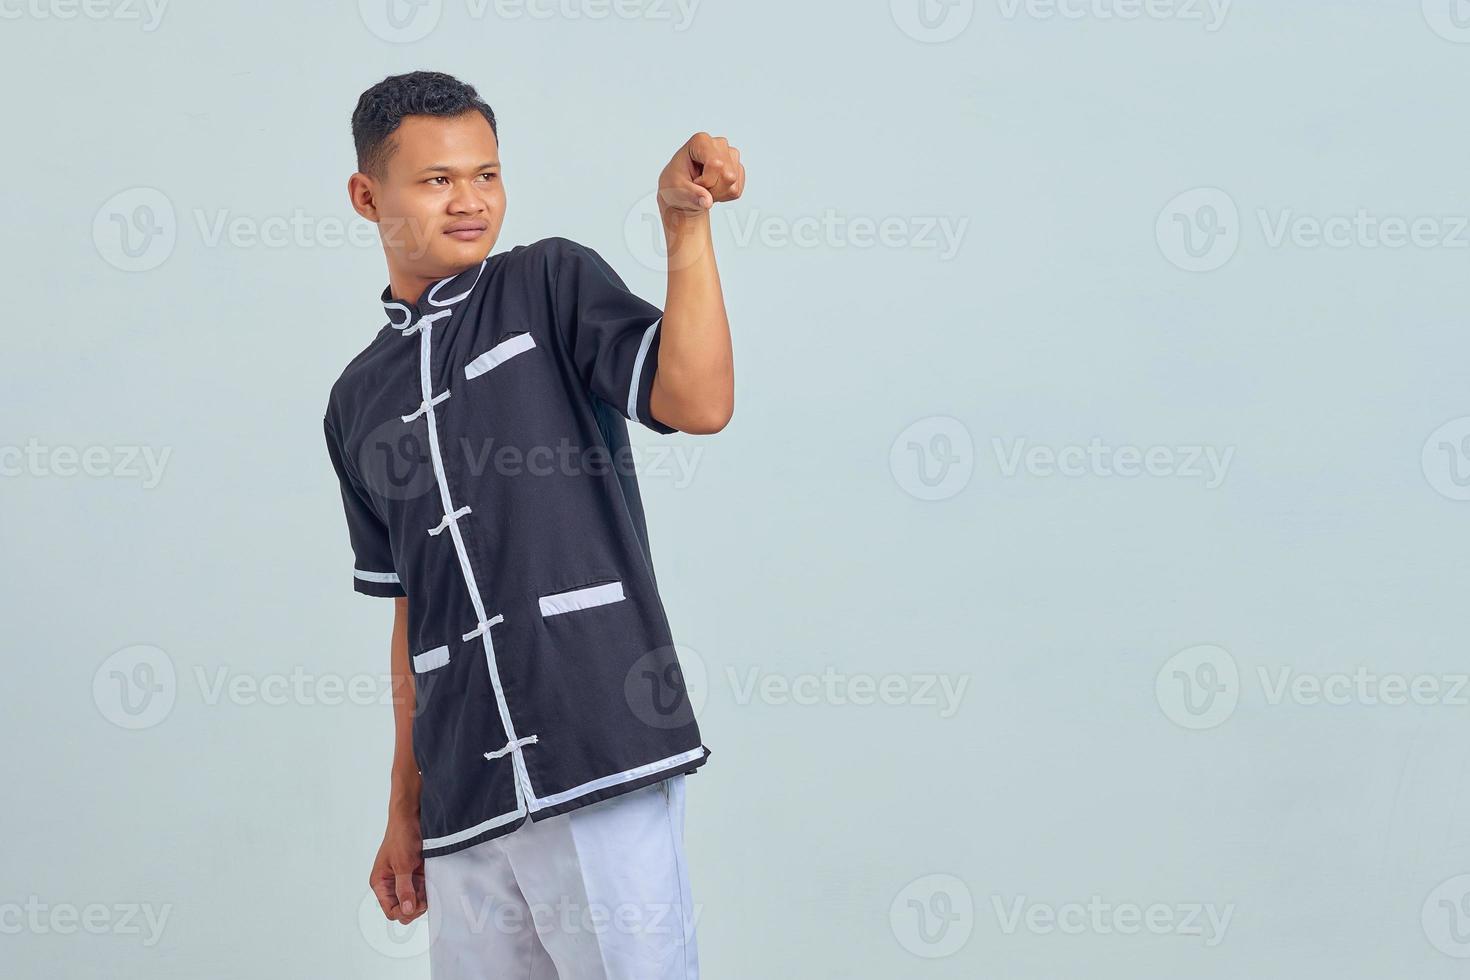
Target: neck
{"points": [[407, 287]]}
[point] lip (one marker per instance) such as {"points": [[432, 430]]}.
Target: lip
{"points": [[466, 231]]}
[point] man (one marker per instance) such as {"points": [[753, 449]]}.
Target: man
{"points": [[543, 731]]}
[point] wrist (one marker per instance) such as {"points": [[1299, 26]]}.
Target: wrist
{"points": [[680, 219], [403, 797], [687, 237]]}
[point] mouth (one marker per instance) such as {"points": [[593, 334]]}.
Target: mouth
{"points": [[466, 231]]}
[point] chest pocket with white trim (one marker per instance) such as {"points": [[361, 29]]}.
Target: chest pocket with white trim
{"points": [[516, 343], [583, 598]]}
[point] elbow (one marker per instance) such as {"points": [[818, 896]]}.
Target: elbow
{"points": [[708, 420], [705, 427], [699, 412]]}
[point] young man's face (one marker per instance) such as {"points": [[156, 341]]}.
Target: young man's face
{"points": [[440, 204]]}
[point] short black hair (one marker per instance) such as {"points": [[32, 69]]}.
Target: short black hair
{"points": [[418, 93]]}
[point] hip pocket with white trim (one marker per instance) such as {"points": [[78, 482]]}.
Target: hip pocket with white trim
{"points": [[430, 659], [583, 598]]}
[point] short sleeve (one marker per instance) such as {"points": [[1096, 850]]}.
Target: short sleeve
{"points": [[612, 333], [373, 572]]}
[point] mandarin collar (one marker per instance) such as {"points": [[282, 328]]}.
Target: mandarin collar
{"points": [[441, 296]]}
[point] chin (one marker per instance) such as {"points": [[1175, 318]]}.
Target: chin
{"points": [[464, 253]]}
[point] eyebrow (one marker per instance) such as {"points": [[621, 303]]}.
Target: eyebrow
{"points": [[444, 167]]}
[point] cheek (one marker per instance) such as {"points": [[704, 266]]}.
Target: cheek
{"points": [[414, 212], [407, 227]]}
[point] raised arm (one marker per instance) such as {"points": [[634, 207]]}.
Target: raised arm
{"points": [[694, 384]]}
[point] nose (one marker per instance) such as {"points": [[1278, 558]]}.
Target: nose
{"points": [[466, 201]]}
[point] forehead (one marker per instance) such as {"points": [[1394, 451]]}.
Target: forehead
{"points": [[465, 140]]}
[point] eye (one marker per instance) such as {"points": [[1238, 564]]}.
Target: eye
{"points": [[488, 174]]}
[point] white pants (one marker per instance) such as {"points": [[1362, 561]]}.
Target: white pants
{"points": [[598, 893]]}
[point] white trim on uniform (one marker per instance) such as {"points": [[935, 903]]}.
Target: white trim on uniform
{"points": [[407, 314], [424, 406], [499, 354], [478, 828], [526, 799], [455, 299], [449, 519], [509, 747], [430, 659], [522, 781], [643, 346], [556, 799], [585, 598], [618, 777]]}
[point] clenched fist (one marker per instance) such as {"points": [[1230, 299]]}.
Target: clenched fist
{"points": [[705, 170]]}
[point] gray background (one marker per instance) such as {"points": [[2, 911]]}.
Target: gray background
{"points": [[193, 728]]}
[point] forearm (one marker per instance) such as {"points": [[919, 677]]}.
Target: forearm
{"points": [[694, 384], [403, 793]]}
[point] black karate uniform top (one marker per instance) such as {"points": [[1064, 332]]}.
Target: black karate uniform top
{"points": [[481, 445]]}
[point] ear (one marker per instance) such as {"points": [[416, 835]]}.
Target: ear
{"points": [[362, 195]]}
